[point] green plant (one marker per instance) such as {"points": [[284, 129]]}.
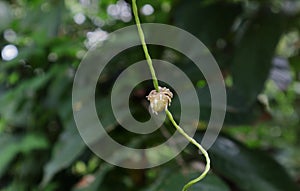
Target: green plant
{"points": [[40, 148], [165, 104]]}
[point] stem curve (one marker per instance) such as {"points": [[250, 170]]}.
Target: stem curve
{"points": [[169, 114]]}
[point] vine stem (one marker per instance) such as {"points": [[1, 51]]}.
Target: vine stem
{"points": [[193, 141], [169, 114], [142, 38]]}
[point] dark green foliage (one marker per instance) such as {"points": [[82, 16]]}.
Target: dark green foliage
{"points": [[41, 149]]}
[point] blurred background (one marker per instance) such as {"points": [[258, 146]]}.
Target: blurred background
{"points": [[256, 44]]}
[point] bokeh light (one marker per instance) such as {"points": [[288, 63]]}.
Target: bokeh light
{"points": [[9, 52], [120, 11], [79, 18], [10, 35], [147, 9], [95, 37]]}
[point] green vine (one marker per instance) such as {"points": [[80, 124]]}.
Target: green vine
{"points": [[169, 114], [142, 37]]}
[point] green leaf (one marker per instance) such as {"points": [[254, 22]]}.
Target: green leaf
{"points": [[8, 150], [16, 185], [177, 180], [5, 15], [252, 59], [248, 169], [11, 100], [99, 176], [295, 63], [70, 144], [33, 142], [11, 145], [66, 150], [45, 18], [213, 21]]}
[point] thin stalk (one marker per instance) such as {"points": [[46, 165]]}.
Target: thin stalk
{"points": [[169, 114], [193, 141], [142, 38]]}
